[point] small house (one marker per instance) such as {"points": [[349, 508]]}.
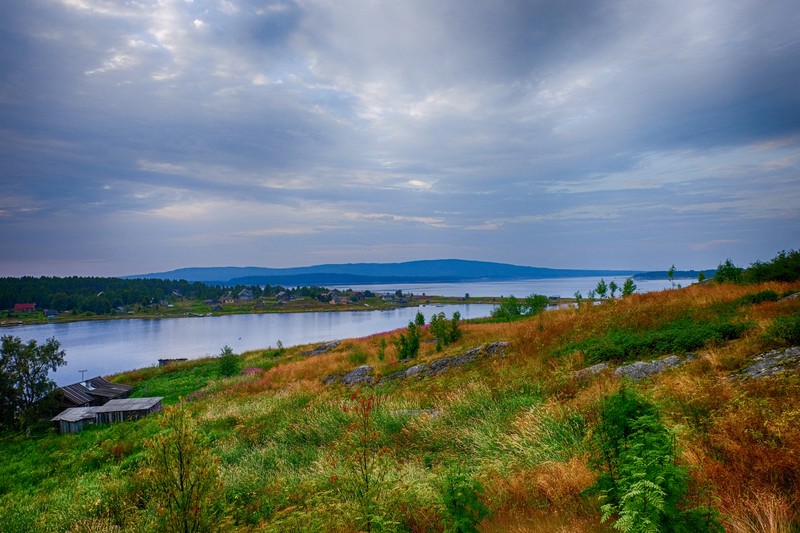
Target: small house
{"points": [[92, 392], [245, 295], [24, 308]]}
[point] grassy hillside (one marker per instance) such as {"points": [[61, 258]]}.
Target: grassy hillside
{"points": [[509, 442]]}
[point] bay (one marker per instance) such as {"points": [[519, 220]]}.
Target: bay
{"points": [[103, 347]]}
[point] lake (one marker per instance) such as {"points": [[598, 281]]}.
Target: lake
{"points": [[564, 287], [103, 347], [109, 346]]}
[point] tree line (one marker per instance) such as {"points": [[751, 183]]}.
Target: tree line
{"points": [[101, 295]]}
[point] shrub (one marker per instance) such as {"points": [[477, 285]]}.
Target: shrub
{"points": [[445, 331], [460, 495], [183, 475], [640, 484], [229, 364], [408, 343], [786, 329]]}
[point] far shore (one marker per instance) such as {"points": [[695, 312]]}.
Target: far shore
{"points": [[191, 309]]}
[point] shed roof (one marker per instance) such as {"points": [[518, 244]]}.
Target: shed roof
{"points": [[75, 414], [129, 404]]}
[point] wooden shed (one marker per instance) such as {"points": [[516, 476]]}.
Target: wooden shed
{"points": [[75, 419], [127, 409]]}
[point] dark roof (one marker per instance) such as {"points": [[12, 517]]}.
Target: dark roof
{"points": [[77, 394], [87, 391]]}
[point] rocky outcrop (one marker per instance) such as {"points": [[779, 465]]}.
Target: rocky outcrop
{"points": [[364, 375], [638, 370], [770, 363], [322, 348], [641, 369], [439, 366]]}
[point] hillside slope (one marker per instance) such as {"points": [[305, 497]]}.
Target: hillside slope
{"points": [[505, 439]]}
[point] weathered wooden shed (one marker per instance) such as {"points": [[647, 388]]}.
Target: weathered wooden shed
{"points": [[127, 409], [75, 419]]}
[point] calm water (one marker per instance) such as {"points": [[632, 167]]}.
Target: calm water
{"points": [[564, 287], [110, 346]]}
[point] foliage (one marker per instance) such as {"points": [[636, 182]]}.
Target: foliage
{"points": [[628, 288], [512, 308], [460, 495], [639, 481], [680, 335], [445, 331], [613, 287], [728, 272], [24, 378], [364, 461], [671, 275], [786, 329], [419, 319], [783, 267], [601, 289], [408, 343], [229, 363], [182, 475]]}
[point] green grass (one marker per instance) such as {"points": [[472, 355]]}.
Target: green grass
{"points": [[677, 336], [517, 423]]}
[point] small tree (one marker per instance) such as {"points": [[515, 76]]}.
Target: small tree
{"points": [[229, 364], [445, 331], [24, 379], [727, 271], [671, 275], [613, 287], [366, 472], [419, 319], [628, 288], [183, 475], [408, 343], [601, 289]]}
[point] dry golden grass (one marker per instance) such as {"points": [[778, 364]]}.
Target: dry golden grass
{"points": [[760, 511]]}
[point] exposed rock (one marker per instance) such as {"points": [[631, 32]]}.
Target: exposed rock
{"points": [[322, 348], [590, 371], [642, 369], [772, 362], [638, 370], [790, 297], [364, 374], [439, 366]]}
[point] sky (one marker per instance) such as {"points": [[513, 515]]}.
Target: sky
{"points": [[145, 135]]}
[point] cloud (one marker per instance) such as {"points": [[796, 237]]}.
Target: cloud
{"points": [[332, 125]]}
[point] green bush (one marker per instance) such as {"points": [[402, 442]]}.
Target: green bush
{"points": [[641, 486], [229, 363], [460, 495], [786, 328], [680, 335]]}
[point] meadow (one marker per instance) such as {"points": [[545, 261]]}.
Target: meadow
{"points": [[515, 442]]}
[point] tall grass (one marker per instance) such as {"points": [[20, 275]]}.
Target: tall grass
{"points": [[516, 424]]}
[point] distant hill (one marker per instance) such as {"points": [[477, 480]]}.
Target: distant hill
{"points": [[428, 271]]}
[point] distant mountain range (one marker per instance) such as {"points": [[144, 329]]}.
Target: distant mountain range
{"points": [[429, 271]]}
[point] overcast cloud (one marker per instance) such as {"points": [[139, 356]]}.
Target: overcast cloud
{"points": [[146, 135]]}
